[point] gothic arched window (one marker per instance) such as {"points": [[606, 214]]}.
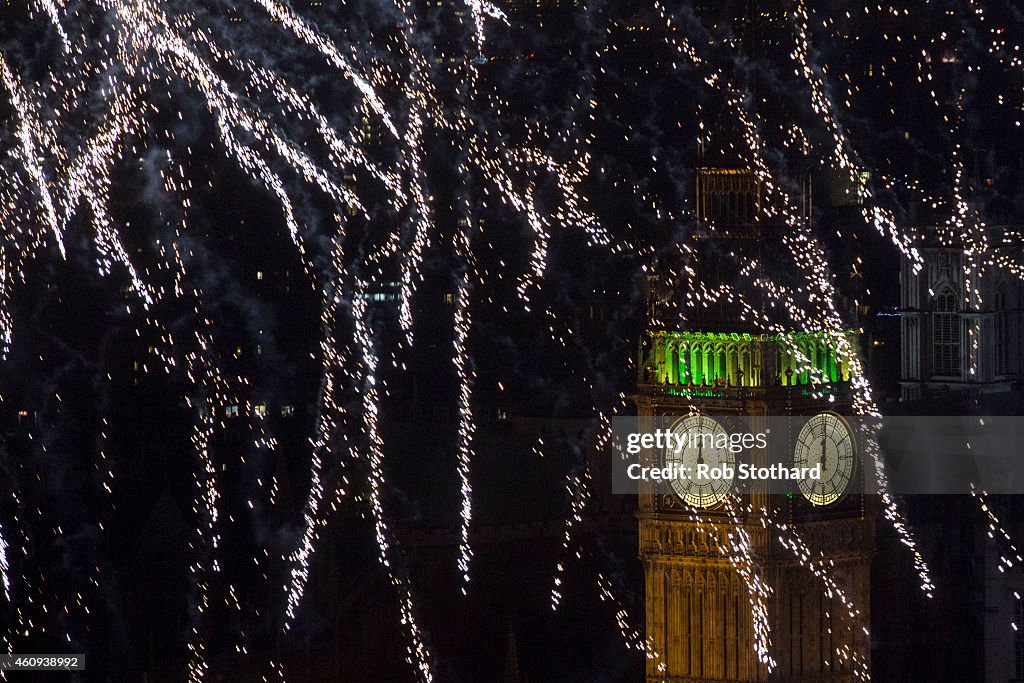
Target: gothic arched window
{"points": [[671, 364], [946, 334], [805, 358]]}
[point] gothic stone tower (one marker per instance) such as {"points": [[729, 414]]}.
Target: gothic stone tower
{"points": [[698, 613]]}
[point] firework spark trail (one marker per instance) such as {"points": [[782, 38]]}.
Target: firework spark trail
{"points": [[301, 29], [738, 551], [481, 10], [52, 9], [411, 141], [4, 567], [232, 114], [418, 653], [109, 243], [27, 131], [140, 21], [202, 370], [962, 231], [1009, 555], [207, 499], [329, 410], [631, 635], [6, 323], [494, 165], [422, 219], [741, 556], [20, 614], [790, 539], [344, 153], [883, 221], [575, 215], [577, 484], [528, 281], [568, 180], [419, 92], [467, 377], [466, 425], [120, 119], [578, 487], [996, 531], [819, 102], [5, 580]]}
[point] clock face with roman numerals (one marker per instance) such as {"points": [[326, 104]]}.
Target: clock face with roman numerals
{"points": [[826, 440], [702, 434]]}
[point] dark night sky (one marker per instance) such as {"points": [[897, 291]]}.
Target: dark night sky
{"points": [[102, 502]]}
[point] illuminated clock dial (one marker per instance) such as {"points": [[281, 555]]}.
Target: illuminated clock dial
{"points": [[825, 440], [701, 440]]}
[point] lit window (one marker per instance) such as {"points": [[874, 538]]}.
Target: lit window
{"points": [[287, 411], [261, 410], [449, 298], [259, 274], [231, 411]]}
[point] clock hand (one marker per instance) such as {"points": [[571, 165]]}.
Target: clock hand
{"points": [[823, 440], [700, 440]]}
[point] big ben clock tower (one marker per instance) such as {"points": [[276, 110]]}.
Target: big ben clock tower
{"points": [[713, 371]]}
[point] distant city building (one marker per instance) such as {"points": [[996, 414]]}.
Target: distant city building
{"points": [[961, 330]]}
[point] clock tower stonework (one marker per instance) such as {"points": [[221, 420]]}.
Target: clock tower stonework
{"points": [[699, 620]]}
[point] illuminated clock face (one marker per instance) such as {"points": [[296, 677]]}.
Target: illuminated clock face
{"points": [[701, 435], [825, 440]]}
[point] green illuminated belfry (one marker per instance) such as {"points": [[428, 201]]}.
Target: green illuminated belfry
{"points": [[699, 338], [720, 359]]}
